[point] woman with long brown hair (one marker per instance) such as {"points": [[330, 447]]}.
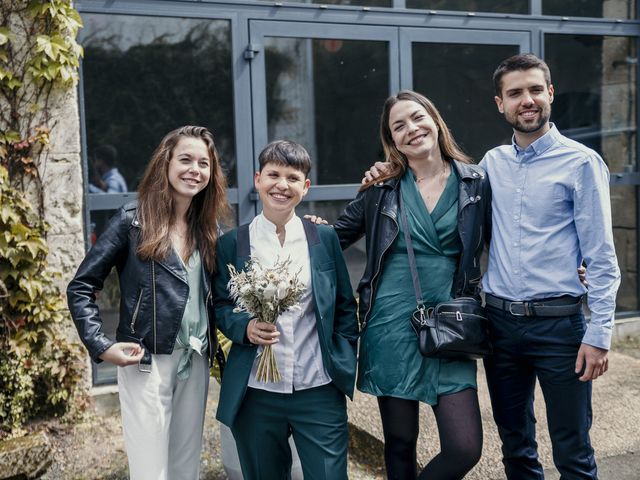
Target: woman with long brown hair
{"points": [[163, 248], [446, 200]]}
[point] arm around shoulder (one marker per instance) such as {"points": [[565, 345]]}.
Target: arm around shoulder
{"points": [[350, 226]]}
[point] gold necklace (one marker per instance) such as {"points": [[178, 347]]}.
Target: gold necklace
{"points": [[441, 174]]}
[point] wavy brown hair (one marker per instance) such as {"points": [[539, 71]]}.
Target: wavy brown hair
{"points": [[156, 207], [448, 146]]}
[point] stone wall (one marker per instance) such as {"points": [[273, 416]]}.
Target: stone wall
{"points": [[618, 112], [64, 195]]}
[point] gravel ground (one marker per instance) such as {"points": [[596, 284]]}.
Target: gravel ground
{"points": [[629, 346], [94, 450]]}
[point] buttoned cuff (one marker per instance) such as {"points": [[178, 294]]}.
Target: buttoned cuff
{"points": [[598, 335]]}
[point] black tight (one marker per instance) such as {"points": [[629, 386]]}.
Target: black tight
{"points": [[459, 429]]}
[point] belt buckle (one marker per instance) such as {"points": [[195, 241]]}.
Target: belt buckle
{"points": [[525, 306]]}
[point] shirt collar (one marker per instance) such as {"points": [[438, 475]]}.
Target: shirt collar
{"points": [[292, 225], [542, 144]]}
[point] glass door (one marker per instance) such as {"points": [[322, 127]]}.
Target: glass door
{"points": [[454, 69], [323, 86]]}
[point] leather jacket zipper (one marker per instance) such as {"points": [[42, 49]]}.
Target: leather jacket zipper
{"points": [[377, 272], [153, 288], [463, 253], [135, 312], [206, 307]]}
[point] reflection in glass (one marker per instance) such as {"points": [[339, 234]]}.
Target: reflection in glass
{"points": [[457, 78], [595, 103], [327, 94], [145, 76], [595, 98], [624, 9], [495, 6]]}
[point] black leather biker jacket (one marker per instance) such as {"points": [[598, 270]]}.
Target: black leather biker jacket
{"points": [[374, 213], [153, 294]]}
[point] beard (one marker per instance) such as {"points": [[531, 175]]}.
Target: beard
{"points": [[530, 127]]}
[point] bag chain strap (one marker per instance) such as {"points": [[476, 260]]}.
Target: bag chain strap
{"points": [[412, 260]]}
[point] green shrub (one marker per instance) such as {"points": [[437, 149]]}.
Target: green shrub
{"points": [[40, 369]]}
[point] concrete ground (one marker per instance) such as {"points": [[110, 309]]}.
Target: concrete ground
{"points": [[615, 434]]}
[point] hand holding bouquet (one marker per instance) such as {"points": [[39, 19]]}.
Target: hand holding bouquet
{"points": [[265, 293]]}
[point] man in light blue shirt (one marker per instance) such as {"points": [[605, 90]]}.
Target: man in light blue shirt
{"points": [[107, 178], [551, 211]]}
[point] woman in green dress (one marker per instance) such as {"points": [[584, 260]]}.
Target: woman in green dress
{"points": [[447, 201]]}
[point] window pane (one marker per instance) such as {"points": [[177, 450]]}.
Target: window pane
{"points": [[145, 76], [624, 9], [595, 103], [457, 78], [363, 3], [327, 94], [595, 98], [495, 6]]}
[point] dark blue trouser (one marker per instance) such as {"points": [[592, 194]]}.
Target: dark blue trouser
{"points": [[526, 348], [317, 419]]}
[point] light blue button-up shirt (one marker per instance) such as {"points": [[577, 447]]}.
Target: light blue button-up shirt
{"points": [[551, 210]]}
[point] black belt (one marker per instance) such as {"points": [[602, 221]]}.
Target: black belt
{"points": [[547, 307]]}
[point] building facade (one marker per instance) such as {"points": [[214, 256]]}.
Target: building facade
{"points": [[319, 72]]}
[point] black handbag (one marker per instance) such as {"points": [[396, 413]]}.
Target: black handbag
{"points": [[457, 328]]}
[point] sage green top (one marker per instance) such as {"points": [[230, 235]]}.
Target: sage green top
{"points": [[194, 319], [389, 362]]}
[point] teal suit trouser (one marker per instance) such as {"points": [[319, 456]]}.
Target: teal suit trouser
{"points": [[317, 419]]}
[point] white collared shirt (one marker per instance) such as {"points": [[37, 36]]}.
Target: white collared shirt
{"points": [[298, 351]]}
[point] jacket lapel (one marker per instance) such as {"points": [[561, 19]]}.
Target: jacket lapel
{"points": [[316, 258], [243, 246], [173, 264]]}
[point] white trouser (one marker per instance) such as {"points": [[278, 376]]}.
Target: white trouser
{"points": [[163, 417]]}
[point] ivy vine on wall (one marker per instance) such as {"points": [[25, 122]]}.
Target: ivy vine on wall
{"points": [[41, 371]]}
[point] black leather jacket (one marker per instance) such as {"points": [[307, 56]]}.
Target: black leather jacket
{"points": [[153, 294], [374, 213]]}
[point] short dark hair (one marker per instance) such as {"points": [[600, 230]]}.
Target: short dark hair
{"points": [[288, 153], [520, 62], [107, 153]]}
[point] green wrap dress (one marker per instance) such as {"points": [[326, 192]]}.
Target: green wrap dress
{"points": [[389, 361]]}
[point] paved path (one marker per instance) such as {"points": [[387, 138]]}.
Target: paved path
{"points": [[615, 433]]}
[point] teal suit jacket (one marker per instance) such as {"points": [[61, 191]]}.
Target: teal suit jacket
{"points": [[335, 310]]}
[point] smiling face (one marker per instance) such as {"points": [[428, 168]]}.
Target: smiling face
{"points": [[525, 101], [189, 168], [413, 130], [281, 188]]}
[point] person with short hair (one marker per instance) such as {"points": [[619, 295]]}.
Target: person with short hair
{"points": [[108, 178], [551, 212], [163, 248], [314, 345]]}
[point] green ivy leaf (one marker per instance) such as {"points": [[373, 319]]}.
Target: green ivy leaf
{"points": [[6, 35]]}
